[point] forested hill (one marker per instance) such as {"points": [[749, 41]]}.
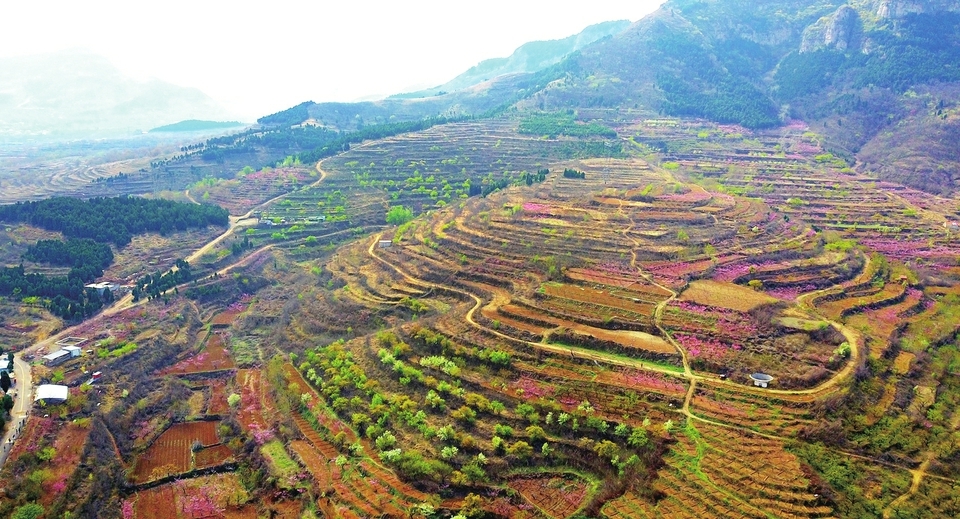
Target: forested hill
{"points": [[858, 72], [89, 226], [113, 220]]}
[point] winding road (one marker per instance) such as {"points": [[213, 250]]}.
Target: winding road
{"points": [[805, 395]]}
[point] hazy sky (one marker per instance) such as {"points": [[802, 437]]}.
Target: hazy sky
{"points": [[261, 57]]}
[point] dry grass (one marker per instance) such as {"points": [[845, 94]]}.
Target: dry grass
{"points": [[725, 295], [901, 365]]}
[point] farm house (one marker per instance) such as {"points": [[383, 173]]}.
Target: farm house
{"points": [[52, 394], [56, 358]]}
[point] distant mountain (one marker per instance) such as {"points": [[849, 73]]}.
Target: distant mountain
{"points": [[193, 125], [529, 57], [77, 93]]}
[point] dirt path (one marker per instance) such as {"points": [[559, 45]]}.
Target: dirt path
{"points": [[186, 193], [573, 351]]}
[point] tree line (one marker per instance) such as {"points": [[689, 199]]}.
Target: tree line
{"points": [[154, 285], [113, 220], [63, 296], [562, 123], [86, 258]]}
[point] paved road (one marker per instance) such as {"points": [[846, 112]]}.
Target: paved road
{"points": [[22, 393]]}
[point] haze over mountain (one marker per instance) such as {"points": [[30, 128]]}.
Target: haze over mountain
{"points": [[77, 93]]}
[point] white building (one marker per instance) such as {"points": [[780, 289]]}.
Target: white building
{"points": [[100, 287], [51, 393], [761, 379]]}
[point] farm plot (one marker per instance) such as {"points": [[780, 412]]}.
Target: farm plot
{"points": [[616, 306], [287, 471], [719, 473], [557, 496], [217, 405], [321, 468], [213, 357], [250, 413], [759, 412], [379, 492], [725, 295], [720, 340], [69, 444], [212, 456], [171, 453], [241, 194], [214, 496], [149, 253]]}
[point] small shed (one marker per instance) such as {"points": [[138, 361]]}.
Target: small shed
{"points": [[100, 287], [56, 358], [385, 244], [74, 351], [761, 379], [52, 393]]}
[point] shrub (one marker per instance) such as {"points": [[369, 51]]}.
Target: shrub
{"points": [[399, 215], [520, 449], [465, 415]]}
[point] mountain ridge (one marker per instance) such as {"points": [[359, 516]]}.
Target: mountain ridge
{"points": [[529, 57]]}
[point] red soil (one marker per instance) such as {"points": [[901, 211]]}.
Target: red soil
{"points": [[171, 452]]}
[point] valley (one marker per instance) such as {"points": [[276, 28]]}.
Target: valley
{"points": [[702, 265], [590, 335]]}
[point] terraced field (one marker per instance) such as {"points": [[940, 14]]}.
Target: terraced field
{"points": [[537, 344], [643, 295]]}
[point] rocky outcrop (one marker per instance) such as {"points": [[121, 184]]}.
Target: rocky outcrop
{"points": [[893, 9], [841, 31]]}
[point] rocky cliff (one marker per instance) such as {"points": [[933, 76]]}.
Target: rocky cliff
{"points": [[842, 31]]}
